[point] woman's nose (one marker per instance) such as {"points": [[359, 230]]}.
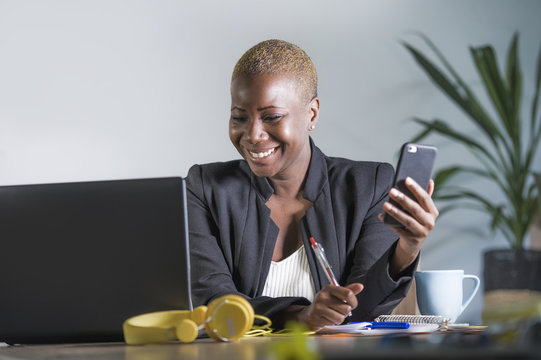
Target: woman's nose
{"points": [[256, 131]]}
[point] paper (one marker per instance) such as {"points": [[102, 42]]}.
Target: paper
{"points": [[364, 328]]}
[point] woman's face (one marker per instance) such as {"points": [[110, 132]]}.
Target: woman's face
{"points": [[269, 125]]}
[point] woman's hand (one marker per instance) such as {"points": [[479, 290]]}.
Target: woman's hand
{"points": [[417, 225], [331, 306]]}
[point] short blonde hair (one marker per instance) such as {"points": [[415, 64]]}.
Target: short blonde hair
{"points": [[278, 57]]}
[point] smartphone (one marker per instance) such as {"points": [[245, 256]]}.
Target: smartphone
{"points": [[417, 162]]}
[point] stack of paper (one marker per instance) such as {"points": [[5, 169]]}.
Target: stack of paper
{"points": [[366, 328]]}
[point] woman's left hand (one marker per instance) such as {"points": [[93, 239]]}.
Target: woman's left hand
{"points": [[417, 224]]}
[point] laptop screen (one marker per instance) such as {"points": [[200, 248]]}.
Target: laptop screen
{"points": [[77, 259]]}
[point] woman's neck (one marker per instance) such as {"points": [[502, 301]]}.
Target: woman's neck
{"points": [[290, 186]]}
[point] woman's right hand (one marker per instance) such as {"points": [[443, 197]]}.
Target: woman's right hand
{"points": [[331, 306]]}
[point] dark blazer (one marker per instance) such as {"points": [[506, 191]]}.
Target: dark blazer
{"points": [[232, 236]]}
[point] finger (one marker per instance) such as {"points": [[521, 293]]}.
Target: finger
{"points": [[330, 313], [331, 317], [431, 186], [355, 287], [411, 224], [347, 294], [342, 309], [422, 196], [342, 299], [414, 209]]}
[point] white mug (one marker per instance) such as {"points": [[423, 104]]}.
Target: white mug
{"points": [[439, 292]]}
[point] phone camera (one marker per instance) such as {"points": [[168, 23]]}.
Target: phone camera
{"points": [[412, 148]]}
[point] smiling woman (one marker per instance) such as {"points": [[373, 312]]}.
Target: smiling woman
{"points": [[251, 219], [269, 125]]}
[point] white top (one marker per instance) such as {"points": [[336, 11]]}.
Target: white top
{"points": [[290, 277]]}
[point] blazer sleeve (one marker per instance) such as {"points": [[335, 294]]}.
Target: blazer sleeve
{"points": [[210, 273], [373, 252], [211, 255]]}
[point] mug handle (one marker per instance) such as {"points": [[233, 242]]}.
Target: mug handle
{"points": [[476, 280]]}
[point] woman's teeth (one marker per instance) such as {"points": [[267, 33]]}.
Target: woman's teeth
{"points": [[262, 154]]}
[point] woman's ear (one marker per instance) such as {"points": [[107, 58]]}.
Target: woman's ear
{"points": [[314, 113]]}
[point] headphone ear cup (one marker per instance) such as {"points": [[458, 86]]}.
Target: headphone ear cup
{"points": [[231, 316], [199, 314], [187, 331]]}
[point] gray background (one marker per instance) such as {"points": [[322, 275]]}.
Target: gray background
{"points": [[94, 90]]}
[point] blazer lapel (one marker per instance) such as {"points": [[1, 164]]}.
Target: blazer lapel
{"points": [[319, 219]]}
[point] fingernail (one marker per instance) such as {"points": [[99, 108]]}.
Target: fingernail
{"points": [[394, 192], [409, 181]]}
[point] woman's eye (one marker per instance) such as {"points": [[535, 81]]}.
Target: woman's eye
{"points": [[271, 118], [238, 119]]}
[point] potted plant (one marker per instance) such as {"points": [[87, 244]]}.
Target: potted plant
{"points": [[506, 151]]}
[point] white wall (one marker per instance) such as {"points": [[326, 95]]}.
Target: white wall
{"points": [[95, 90]]}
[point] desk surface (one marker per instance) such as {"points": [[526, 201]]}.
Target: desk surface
{"points": [[426, 346]]}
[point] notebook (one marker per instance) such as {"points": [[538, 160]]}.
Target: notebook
{"points": [[415, 324], [77, 259]]}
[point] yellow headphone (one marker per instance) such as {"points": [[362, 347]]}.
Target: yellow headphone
{"points": [[227, 318]]}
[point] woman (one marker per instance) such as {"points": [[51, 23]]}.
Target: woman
{"points": [[251, 219]]}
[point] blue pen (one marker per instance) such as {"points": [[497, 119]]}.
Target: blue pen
{"points": [[384, 324]]}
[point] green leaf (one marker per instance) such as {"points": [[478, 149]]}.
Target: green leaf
{"points": [[442, 176], [536, 94], [442, 128], [497, 218], [535, 126], [485, 60], [447, 197], [477, 113], [445, 209], [502, 222], [491, 176], [532, 204], [468, 104], [435, 74], [423, 134], [537, 178], [514, 82]]}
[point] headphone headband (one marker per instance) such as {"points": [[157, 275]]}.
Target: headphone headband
{"points": [[227, 318]]}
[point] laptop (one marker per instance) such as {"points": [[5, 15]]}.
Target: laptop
{"points": [[77, 259]]}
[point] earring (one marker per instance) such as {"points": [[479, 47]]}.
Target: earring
{"points": [[312, 127]]}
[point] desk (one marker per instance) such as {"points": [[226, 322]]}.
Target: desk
{"points": [[419, 346]]}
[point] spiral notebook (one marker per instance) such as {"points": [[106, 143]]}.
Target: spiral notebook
{"points": [[415, 319]]}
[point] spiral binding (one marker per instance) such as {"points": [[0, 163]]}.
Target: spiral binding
{"points": [[415, 319]]}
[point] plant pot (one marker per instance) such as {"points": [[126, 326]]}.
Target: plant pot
{"points": [[512, 292], [512, 269]]}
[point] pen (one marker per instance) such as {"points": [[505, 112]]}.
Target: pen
{"points": [[320, 254], [383, 324]]}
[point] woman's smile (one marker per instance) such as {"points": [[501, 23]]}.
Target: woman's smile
{"points": [[262, 155]]}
